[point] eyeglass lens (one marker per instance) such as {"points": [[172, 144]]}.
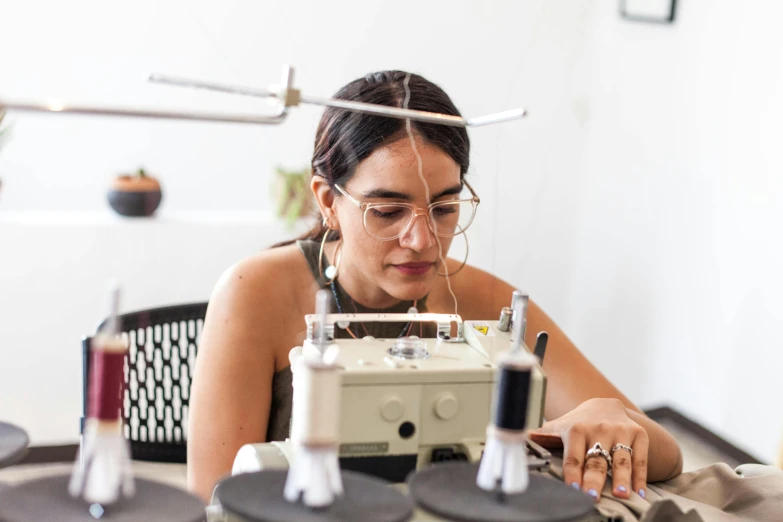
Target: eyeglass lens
{"points": [[390, 220]]}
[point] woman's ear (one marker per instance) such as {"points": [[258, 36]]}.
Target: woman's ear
{"points": [[324, 196]]}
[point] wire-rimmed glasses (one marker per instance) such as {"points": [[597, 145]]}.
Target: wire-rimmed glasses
{"points": [[387, 221]]}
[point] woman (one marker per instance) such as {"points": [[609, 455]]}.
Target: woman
{"points": [[390, 256]]}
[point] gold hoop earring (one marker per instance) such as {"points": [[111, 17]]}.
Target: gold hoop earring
{"points": [[330, 274], [464, 261]]}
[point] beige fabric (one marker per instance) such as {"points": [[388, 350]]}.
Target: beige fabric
{"points": [[715, 493], [718, 493]]}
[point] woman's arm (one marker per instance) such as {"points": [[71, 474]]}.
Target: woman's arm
{"points": [[582, 406], [572, 380], [231, 390]]}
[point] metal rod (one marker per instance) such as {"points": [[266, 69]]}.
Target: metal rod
{"points": [[393, 112], [211, 86], [322, 301], [366, 108], [519, 304], [8, 105], [498, 117]]}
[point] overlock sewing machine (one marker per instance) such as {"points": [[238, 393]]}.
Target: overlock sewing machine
{"points": [[409, 402], [414, 420]]}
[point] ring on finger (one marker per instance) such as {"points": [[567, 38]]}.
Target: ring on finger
{"points": [[619, 446], [598, 451]]}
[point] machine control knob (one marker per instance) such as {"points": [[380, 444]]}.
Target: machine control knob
{"points": [[391, 409], [446, 407]]}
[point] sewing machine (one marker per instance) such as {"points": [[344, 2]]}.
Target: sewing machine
{"points": [[409, 402], [405, 404]]}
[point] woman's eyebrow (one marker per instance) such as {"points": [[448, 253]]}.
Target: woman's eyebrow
{"points": [[451, 191], [386, 194], [392, 194]]}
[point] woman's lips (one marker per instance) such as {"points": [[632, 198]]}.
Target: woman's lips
{"points": [[414, 268]]}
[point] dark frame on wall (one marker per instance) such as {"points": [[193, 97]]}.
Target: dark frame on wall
{"points": [[628, 12]]}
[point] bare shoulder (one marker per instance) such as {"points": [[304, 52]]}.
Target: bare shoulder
{"points": [[255, 278], [254, 294], [480, 294], [245, 340]]}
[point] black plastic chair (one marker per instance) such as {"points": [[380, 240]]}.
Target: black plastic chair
{"points": [[159, 367]]}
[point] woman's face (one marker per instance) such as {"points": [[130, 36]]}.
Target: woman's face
{"points": [[404, 268]]}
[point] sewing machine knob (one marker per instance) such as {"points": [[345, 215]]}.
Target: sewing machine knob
{"points": [[446, 407], [392, 409]]}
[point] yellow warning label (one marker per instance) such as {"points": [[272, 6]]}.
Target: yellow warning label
{"points": [[482, 329]]}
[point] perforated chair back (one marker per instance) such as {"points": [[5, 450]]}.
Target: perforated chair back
{"points": [[159, 367]]}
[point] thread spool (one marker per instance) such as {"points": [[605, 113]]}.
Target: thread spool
{"points": [[102, 472], [512, 395], [107, 381], [504, 464], [316, 405]]}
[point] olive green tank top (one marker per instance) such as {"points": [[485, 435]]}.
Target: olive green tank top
{"points": [[279, 425]]}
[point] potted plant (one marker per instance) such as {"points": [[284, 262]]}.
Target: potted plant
{"points": [[292, 193], [135, 195]]}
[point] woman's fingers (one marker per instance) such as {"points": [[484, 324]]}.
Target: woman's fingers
{"points": [[595, 469], [641, 446], [588, 455], [574, 448], [621, 469]]}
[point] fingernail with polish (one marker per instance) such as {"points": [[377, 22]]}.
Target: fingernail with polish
{"points": [[575, 485], [593, 493], [641, 493], [622, 489]]}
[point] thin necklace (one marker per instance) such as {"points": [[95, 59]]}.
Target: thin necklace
{"points": [[405, 329]]}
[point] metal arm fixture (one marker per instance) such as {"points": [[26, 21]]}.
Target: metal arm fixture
{"points": [[283, 96]]}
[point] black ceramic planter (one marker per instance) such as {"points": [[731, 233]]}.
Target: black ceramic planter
{"points": [[135, 203]]}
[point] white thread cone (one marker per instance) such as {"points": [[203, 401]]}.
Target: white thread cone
{"points": [[103, 469], [503, 465], [315, 477]]}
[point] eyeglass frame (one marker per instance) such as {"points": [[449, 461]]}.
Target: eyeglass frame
{"points": [[417, 211]]}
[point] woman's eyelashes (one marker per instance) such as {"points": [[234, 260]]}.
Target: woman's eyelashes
{"points": [[444, 210], [388, 213]]}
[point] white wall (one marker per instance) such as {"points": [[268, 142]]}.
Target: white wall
{"points": [[489, 57], [93, 51], [675, 285], [625, 119], [54, 272]]}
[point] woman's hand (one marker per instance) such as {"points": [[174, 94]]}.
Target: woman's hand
{"points": [[603, 421]]}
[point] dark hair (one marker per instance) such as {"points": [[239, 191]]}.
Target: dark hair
{"points": [[345, 138]]}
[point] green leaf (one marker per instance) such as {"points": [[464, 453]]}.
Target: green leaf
{"points": [[294, 187]]}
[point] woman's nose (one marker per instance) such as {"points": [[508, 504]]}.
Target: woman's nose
{"points": [[419, 237]]}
